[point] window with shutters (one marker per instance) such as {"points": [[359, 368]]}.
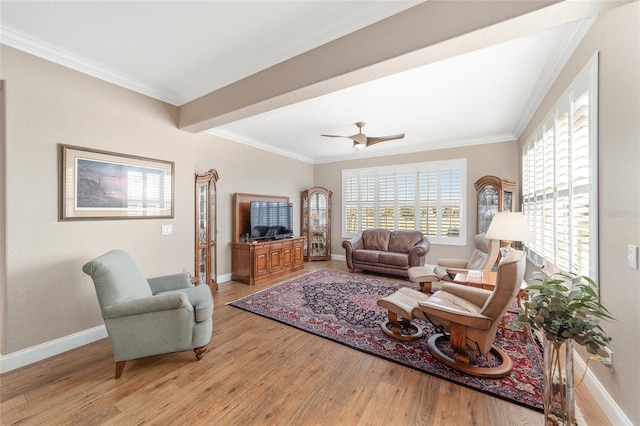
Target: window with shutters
{"points": [[427, 196], [559, 180]]}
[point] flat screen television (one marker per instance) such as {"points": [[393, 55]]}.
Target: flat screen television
{"points": [[271, 220]]}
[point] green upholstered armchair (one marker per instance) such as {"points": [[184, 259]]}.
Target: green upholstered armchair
{"points": [[149, 317]]}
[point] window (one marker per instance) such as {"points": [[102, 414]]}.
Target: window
{"points": [[428, 197], [559, 180]]}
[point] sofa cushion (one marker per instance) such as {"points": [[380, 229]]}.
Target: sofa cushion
{"points": [[369, 256], [376, 239], [403, 241], [393, 259]]}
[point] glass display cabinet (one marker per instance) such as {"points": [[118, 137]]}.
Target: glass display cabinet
{"points": [[494, 195], [316, 223], [206, 267]]}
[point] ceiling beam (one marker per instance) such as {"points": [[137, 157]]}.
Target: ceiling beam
{"points": [[427, 33]]}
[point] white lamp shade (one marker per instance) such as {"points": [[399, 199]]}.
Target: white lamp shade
{"points": [[509, 226]]}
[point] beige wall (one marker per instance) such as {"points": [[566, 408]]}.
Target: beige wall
{"points": [[616, 37], [498, 159], [44, 294]]}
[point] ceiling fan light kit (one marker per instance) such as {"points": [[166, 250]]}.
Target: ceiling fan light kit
{"points": [[360, 140]]}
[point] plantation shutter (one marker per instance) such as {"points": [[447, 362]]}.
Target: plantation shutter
{"points": [[427, 197], [559, 182]]}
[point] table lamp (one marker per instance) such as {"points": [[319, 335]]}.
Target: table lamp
{"points": [[509, 227]]}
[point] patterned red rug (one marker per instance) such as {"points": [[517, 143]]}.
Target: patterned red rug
{"points": [[342, 307]]}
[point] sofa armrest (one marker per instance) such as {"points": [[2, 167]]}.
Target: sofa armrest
{"points": [[350, 246], [418, 252], [144, 305], [169, 282]]}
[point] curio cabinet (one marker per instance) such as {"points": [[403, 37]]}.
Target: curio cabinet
{"points": [[494, 195], [316, 223], [206, 230]]}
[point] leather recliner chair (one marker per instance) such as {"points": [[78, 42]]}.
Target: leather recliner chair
{"points": [[483, 258], [472, 315]]}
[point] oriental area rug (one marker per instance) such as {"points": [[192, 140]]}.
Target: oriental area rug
{"points": [[343, 307]]}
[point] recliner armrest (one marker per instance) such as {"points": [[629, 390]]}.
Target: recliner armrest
{"points": [[458, 316], [477, 296], [169, 282], [144, 305], [452, 263]]}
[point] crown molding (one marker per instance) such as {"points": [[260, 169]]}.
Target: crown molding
{"points": [[506, 137], [554, 66], [42, 49], [234, 137]]}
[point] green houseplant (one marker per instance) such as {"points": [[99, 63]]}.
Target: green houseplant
{"points": [[565, 308]]}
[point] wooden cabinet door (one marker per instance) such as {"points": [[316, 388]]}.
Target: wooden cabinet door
{"points": [[287, 255], [261, 261], [275, 257], [298, 252]]}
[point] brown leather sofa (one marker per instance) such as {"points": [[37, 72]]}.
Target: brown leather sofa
{"points": [[387, 252]]}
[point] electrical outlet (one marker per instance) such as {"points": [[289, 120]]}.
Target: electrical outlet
{"points": [[608, 360], [167, 229], [632, 256]]}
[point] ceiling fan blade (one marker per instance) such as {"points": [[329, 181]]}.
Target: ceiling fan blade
{"points": [[335, 136], [374, 140]]}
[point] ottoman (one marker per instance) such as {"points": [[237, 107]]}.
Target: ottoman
{"points": [[400, 306], [425, 276]]}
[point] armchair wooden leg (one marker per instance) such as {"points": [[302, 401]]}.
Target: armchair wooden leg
{"points": [[119, 368], [200, 352]]}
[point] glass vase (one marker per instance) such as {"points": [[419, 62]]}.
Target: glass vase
{"points": [[559, 399]]}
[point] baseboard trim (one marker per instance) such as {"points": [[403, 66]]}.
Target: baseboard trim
{"points": [[600, 394], [224, 278], [46, 350]]}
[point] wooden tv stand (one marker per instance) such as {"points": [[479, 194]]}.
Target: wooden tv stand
{"points": [[255, 262]]}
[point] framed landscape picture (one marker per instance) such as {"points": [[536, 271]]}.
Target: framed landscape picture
{"points": [[97, 185]]}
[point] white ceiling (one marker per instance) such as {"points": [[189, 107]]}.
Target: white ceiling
{"points": [[177, 51]]}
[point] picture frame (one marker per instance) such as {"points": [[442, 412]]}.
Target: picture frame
{"points": [[103, 185]]}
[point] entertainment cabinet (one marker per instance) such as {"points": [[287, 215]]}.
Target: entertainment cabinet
{"points": [[254, 262]]}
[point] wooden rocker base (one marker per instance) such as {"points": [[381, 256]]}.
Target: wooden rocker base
{"points": [[400, 329], [502, 370]]}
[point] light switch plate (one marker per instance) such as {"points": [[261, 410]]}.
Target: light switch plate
{"points": [[167, 229], [632, 256]]}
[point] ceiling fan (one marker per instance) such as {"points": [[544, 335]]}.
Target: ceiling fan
{"points": [[360, 140]]}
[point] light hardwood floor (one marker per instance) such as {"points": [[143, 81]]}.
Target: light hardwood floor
{"points": [[257, 371]]}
